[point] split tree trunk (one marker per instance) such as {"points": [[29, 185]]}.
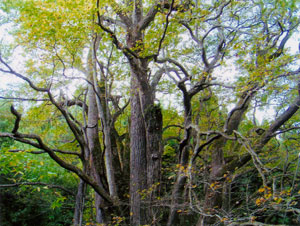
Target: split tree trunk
{"points": [[94, 143]]}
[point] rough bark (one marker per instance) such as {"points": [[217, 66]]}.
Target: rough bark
{"points": [[153, 118], [146, 134], [138, 159]]}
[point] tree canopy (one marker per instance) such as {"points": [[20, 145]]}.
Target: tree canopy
{"points": [[154, 112]]}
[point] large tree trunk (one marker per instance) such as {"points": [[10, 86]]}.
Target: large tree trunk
{"points": [[145, 131], [146, 128], [138, 158], [153, 118]]}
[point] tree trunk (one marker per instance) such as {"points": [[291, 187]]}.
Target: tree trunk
{"points": [[153, 118], [94, 144], [79, 206], [177, 193], [214, 194], [138, 159], [146, 117], [104, 115], [99, 211]]}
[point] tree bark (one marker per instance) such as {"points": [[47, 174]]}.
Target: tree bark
{"points": [[104, 115], [79, 205], [94, 143], [138, 158], [146, 117], [146, 133]]}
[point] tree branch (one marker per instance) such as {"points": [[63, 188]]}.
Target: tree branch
{"points": [[9, 70], [18, 119], [25, 138], [166, 28], [175, 63], [22, 99], [43, 152]]}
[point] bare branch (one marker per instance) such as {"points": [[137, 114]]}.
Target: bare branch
{"points": [[166, 28], [285, 130], [9, 70], [200, 148], [175, 63], [157, 76], [219, 12], [285, 116], [118, 113], [43, 152], [22, 99], [128, 53], [112, 21], [236, 113], [75, 130], [257, 163], [31, 152], [18, 119], [170, 126], [149, 17], [199, 42], [280, 48]]}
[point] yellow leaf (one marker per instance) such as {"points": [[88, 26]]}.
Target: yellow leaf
{"points": [[258, 202], [253, 218], [224, 219]]}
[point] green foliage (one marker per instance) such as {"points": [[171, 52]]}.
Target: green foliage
{"points": [[29, 207], [56, 36]]}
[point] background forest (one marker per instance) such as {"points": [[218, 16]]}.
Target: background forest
{"points": [[153, 112]]}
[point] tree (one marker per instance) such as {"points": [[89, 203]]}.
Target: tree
{"points": [[183, 44]]}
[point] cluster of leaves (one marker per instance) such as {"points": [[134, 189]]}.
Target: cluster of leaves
{"points": [[25, 201]]}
